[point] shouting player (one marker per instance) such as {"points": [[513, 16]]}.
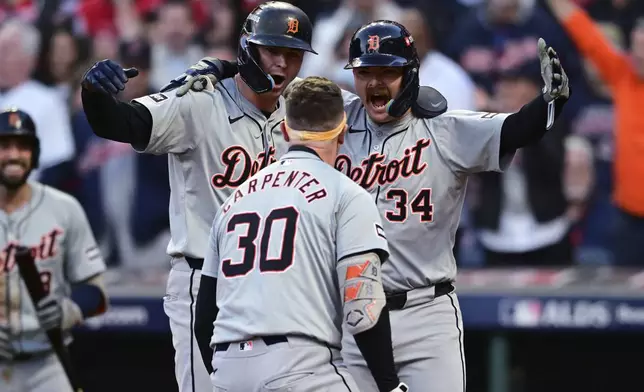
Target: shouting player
{"points": [[294, 251], [416, 170], [54, 226], [215, 141]]}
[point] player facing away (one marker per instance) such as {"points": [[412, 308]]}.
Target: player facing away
{"points": [[214, 140], [293, 252], [416, 171], [54, 226]]}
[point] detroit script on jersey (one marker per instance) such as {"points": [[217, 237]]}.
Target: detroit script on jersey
{"points": [[47, 249], [238, 166], [416, 171], [215, 141]]}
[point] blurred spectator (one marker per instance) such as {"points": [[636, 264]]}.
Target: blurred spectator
{"points": [[24, 10], [19, 48], [525, 214], [595, 122], [436, 69], [442, 16], [328, 32], [501, 34], [105, 45], [624, 74], [173, 49], [59, 58], [220, 31], [620, 13]]}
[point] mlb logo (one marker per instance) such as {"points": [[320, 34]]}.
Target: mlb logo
{"points": [[522, 313], [246, 346]]}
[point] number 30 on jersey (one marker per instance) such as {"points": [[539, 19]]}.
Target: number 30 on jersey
{"points": [[247, 243]]}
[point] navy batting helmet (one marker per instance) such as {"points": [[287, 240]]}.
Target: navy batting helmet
{"points": [[15, 122], [384, 43], [274, 23]]}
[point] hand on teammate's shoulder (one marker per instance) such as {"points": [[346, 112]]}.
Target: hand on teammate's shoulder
{"points": [[203, 75]]}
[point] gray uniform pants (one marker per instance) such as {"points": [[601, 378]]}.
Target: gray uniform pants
{"points": [[299, 365], [42, 374], [427, 336]]}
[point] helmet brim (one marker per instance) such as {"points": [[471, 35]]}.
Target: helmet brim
{"points": [[377, 60], [281, 42], [22, 133]]}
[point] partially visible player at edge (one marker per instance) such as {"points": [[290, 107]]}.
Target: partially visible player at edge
{"points": [[54, 226], [293, 252], [214, 141], [416, 169]]}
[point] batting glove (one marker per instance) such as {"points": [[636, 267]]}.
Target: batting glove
{"points": [[402, 387], [202, 76], [53, 313], [6, 351], [108, 77], [553, 74]]}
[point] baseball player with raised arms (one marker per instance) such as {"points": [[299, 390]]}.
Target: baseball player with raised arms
{"points": [[293, 252], [416, 170], [214, 140], [54, 226]]}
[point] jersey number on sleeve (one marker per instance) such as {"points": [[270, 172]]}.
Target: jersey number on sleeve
{"points": [[421, 204], [247, 242]]}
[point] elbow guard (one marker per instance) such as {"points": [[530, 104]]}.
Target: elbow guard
{"points": [[362, 291]]}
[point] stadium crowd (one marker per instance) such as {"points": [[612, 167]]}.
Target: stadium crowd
{"points": [[575, 198]]}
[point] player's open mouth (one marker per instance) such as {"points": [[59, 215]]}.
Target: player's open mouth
{"points": [[278, 79], [379, 99]]}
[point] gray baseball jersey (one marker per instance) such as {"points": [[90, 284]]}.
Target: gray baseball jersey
{"points": [[416, 170], [215, 135], [53, 224], [275, 246]]}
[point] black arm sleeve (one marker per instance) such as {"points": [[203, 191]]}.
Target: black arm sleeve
{"points": [[376, 348], [205, 316], [528, 125], [119, 121]]}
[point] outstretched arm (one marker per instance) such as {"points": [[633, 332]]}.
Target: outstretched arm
{"points": [[529, 124]]}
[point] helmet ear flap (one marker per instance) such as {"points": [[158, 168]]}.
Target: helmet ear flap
{"points": [[408, 93], [250, 70]]}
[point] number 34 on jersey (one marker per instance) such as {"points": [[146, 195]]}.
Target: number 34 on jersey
{"points": [[377, 175]]}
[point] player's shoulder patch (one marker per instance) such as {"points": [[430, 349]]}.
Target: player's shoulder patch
{"points": [[158, 97]]}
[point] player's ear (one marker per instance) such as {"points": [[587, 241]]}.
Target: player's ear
{"points": [[284, 132], [341, 135]]}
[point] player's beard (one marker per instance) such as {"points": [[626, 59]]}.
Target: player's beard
{"points": [[12, 182]]}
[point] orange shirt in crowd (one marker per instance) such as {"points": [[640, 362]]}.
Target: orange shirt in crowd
{"points": [[627, 89]]}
